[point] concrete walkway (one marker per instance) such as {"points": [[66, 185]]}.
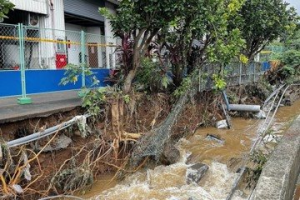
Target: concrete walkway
{"points": [[42, 105]]}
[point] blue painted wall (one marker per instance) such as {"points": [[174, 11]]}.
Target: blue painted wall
{"points": [[10, 83], [40, 81]]}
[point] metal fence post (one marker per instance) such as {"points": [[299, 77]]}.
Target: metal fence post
{"points": [[24, 99], [83, 57], [240, 74], [254, 72]]}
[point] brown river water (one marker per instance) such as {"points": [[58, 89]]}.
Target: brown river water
{"points": [[169, 182], [297, 193]]}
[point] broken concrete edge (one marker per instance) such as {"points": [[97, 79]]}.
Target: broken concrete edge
{"points": [[38, 115], [38, 110], [279, 176]]}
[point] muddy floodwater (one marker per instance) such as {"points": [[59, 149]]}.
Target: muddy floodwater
{"points": [[221, 155], [297, 193]]}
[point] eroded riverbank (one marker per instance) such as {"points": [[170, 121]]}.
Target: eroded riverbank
{"points": [[169, 182]]}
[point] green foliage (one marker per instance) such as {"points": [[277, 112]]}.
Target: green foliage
{"points": [[200, 33], [262, 21], [140, 21], [177, 25], [291, 65], [291, 58], [219, 82], [139, 14], [93, 100], [259, 160], [226, 47], [151, 76], [185, 85], [74, 71], [126, 98], [5, 7], [293, 42]]}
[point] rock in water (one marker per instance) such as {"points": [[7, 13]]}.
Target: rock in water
{"points": [[170, 155], [212, 137], [222, 124], [261, 115], [195, 172]]}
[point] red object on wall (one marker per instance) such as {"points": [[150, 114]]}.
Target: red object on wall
{"points": [[61, 60]]}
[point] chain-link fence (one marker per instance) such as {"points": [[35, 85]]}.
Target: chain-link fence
{"points": [[39, 54], [32, 58], [54, 49], [9, 47], [235, 74]]}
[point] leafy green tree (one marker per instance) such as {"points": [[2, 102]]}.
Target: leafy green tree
{"points": [[140, 20], [293, 42], [200, 33], [5, 7], [262, 21], [177, 24]]}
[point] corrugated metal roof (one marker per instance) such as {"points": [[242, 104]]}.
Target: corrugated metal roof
{"points": [[84, 8], [36, 6]]}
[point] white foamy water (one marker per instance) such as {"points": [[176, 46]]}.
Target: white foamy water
{"points": [[169, 182]]}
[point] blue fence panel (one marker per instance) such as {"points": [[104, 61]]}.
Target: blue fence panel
{"points": [[101, 75], [266, 66], [10, 83], [41, 81]]}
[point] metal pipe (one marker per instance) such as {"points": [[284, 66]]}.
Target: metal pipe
{"points": [[273, 94], [45, 133], [261, 134], [248, 108], [226, 99]]}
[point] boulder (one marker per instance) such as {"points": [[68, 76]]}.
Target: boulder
{"points": [[213, 137], [170, 154], [195, 173]]}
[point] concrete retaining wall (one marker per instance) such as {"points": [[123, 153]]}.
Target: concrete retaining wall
{"points": [[279, 176]]}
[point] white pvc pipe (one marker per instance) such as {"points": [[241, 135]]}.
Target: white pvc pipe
{"points": [[248, 108], [45, 133]]}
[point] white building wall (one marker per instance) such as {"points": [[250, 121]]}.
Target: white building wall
{"points": [[109, 37], [36, 6], [73, 35], [52, 27]]}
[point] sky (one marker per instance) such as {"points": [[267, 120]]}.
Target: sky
{"points": [[295, 3]]}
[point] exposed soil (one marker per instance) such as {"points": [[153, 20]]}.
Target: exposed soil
{"points": [[142, 113]]}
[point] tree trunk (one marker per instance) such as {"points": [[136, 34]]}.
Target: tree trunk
{"points": [[128, 81], [131, 75]]}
